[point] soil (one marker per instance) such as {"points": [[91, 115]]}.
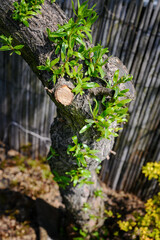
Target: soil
{"points": [[31, 207]]}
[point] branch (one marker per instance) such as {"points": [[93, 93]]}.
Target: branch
{"points": [[37, 47]]}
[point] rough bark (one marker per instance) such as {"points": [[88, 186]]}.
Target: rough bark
{"points": [[71, 114]]}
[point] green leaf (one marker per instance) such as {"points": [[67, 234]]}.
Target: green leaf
{"points": [[79, 55], [79, 40], [108, 111], [115, 77], [96, 109], [89, 120], [18, 47], [54, 35], [101, 119], [95, 234], [102, 73], [72, 63], [68, 70], [78, 89], [123, 102], [121, 110], [88, 182], [82, 160], [53, 152], [86, 79], [63, 51], [93, 19], [85, 128], [53, 79], [91, 67], [25, 22], [42, 67], [49, 157], [103, 62], [75, 228], [81, 34], [75, 181], [18, 52], [124, 91], [96, 158], [75, 139], [81, 10], [54, 62], [48, 63], [71, 44], [90, 107], [65, 179], [5, 39], [5, 48], [103, 51], [73, 8], [88, 35], [106, 133], [85, 173], [78, 4], [31, 13], [70, 149], [84, 234], [114, 134], [125, 78], [116, 89], [57, 49], [90, 85], [79, 69]]}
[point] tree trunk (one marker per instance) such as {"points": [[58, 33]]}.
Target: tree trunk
{"points": [[71, 110]]}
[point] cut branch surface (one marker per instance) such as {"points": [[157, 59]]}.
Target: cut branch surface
{"points": [[64, 95]]}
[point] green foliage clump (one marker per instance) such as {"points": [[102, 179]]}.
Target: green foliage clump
{"points": [[80, 63], [98, 193], [115, 110], [26, 9], [86, 207], [147, 226], [81, 152], [7, 45], [70, 44], [62, 181], [95, 235], [80, 176]]}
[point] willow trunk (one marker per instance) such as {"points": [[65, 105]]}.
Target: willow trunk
{"points": [[71, 110]]}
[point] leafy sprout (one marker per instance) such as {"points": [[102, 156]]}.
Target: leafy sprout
{"points": [[80, 176], [25, 9], [62, 181], [7, 45], [98, 193], [81, 152], [115, 110], [70, 45]]}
